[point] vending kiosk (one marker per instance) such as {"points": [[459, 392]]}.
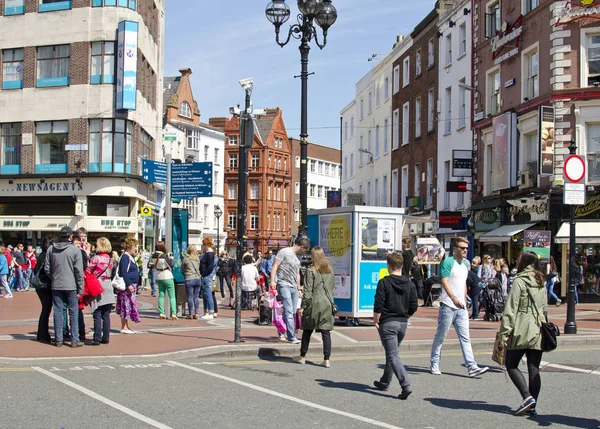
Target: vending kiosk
{"points": [[357, 240]]}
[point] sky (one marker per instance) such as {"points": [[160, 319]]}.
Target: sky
{"points": [[225, 41]]}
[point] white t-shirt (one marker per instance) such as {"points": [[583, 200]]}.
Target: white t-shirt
{"points": [[249, 277], [457, 279]]}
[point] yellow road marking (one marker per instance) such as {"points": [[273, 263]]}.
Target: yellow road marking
{"points": [[16, 369]]}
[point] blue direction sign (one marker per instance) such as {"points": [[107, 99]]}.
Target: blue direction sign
{"points": [[191, 180], [154, 171]]}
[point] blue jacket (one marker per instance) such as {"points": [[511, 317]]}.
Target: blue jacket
{"points": [[267, 266], [207, 266], [129, 271], [3, 265]]}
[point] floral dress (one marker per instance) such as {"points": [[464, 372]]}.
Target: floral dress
{"points": [[126, 305]]}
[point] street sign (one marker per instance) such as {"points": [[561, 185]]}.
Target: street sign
{"points": [[191, 180], [170, 137], [574, 168], [146, 211], [456, 186], [574, 194], [462, 163], [355, 199], [154, 171]]}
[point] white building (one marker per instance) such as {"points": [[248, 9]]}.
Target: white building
{"points": [[349, 151]]}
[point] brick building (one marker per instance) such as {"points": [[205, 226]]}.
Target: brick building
{"points": [[324, 174], [269, 182], [79, 109]]}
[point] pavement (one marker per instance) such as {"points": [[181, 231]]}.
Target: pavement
{"points": [[213, 338]]}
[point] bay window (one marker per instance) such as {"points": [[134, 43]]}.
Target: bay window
{"points": [[51, 138]]}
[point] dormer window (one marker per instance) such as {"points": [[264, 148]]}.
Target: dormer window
{"points": [[185, 110]]}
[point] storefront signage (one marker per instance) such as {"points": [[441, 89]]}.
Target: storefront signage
{"points": [[48, 187], [528, 209], [486, 220], [546, 140], [38, 223], [588, 9], [100, 224], [70, 147], [505, 39], [537, 242], [592, 206], [452, 220], [355, 199], [415, 202]]}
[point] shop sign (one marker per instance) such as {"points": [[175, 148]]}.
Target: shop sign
{"points": [[452, 220], [35, 223], [494, 250], [537, 242], [546, 144], [592, 206], [415, 202], [588, 9], [486, 220], [528, 209], [100, 224], [24, 187], [505, 39]]}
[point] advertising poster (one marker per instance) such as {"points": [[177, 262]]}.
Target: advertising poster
{"points": [[127, 43], [537, 242], [335, 237], [370, 273], [377, 238], [547, 140], [500, 151], [180, 241], [429, 250], [386, 234]]}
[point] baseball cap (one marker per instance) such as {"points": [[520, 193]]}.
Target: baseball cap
{"points": [[10, 246], [66, 231]]}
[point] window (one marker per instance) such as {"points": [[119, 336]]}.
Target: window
{"points": [[492, 20], [345, 130], [254, 191], [531, 4], [369, 147], [446, 178], [593, 59], [404, 185], [232, 191], [430, 110], [147, 143], [206, 149], [193, 139], [216, 181], [254, 220], [205, 215], [384, 192], [385, 135], [377, 141], [232, 219], [326, 167], [417, 179], [405, 71], [396, 79], [51, 5], [297, 162], [12, 68], [462, 39], [396, 129], [352, 125], [394, 201], [448, 49], [362, 109], [418, 117], [53, 65], [313, 165], [386, 88], [122, 3], [462, 105], [311, 191], [296, 215], [405, 122], [531, 65], [448, 125], [360, 153], [368, 193], [376, 192], [184, 110], [111, 145], [319, 191], [418, 66], [377, 96], [255, 162], [216, 161], [530, 152], [278, 192], [233, 140], [346, 166], [370, 103], [297, 188], [593, 152], [14, 7], [11, 148], [192, 207], [430, 182], [51, 138], [232, 160], [103, 62], [269, 190], [493, 89], [430, 53], [320, 167]]}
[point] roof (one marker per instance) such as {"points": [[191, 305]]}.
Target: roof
{"points": [[170, 85], [263, 127]]}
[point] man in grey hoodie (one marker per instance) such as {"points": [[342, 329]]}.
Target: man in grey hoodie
{"points": [[395, 302], [64, 266]]}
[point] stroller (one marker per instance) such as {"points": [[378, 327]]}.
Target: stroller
{"points": [[494, 301]]}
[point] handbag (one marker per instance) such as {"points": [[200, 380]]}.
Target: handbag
{"points": [[499, 352], [92, 283], [334, 308], [118, 282], [548, 330]]}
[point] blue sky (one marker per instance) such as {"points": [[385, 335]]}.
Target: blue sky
{"points": [[225, 41]]}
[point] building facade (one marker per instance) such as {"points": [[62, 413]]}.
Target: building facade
{"points": [[349, 151], [79, 109], [324, 174]]}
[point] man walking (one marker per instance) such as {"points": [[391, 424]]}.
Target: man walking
{"points": [[453, 309], [286, 279], [64, 266], [395, 302], [19, 264]]}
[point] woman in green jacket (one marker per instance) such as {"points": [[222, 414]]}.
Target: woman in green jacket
{"points": [[520, 328], [317, 309]]}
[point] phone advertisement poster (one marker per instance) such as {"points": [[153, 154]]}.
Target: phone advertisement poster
{"points": [[335, 237]]}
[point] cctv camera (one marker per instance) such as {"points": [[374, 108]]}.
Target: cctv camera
{"points": [[246, 82], [259, 112], [234, 110]]}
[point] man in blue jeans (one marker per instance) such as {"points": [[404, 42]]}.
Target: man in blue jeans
{"points": [[453, 309], [285, 277]]}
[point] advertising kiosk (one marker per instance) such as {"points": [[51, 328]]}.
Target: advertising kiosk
{"points": [[357, 240]]}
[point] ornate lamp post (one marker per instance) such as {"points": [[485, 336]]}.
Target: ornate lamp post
{"points": [[218, 213], [324, 14]]}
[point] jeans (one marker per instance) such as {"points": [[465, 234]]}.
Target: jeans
{"points": [[534, 358], [460, 319], [4, 284], [28, 277], [102, 319], [19, 279], [392, 333], [550, 288], [222, 281], [43, 331], [152, 277], [59, 298], [325, 335], [207, 297], [167, 286], [193, 290], [475, 295], [289, 296], [80, 323]]}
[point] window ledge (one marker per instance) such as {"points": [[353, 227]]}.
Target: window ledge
{"points": [[418, 75], [418, 137], [405, 144], [461, 56], [431, 131], [404, 85], [447, 66], [462, 127], [447, 133]]}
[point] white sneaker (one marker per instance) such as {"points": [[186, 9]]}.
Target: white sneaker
{"points": [[282, 337], [207, 316], [127, 332], [435, 370], [8, 296], [300, 360], [474, 372]]}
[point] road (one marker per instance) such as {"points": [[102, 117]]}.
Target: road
{"points": [[137, 392]]}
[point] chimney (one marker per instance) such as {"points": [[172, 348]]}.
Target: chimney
{"points": [[218, 122], [185, 72]]}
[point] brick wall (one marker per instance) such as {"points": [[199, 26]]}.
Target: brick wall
{"points": [[80, 3], [29, 67], [1, 7], [28, 152], [31, 6], [80, 63]]}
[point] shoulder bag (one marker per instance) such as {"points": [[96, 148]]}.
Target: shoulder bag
{"points": [[118, 282], [548, 330], [92, 283], [334, 308]]}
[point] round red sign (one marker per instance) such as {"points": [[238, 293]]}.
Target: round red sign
{"points": [[574, 168]]}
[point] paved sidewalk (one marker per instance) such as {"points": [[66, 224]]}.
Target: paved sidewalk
{"points": [[18, 325]]}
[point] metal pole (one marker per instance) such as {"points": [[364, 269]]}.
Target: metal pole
{"points": [[570, 324], [218, 237], [341, 152], [304, 50], [168, 206], [245, 143]]}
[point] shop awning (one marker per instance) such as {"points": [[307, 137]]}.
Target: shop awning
{"points": [[585, 233], [504, 233]]}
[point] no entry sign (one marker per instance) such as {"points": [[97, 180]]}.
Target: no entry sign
{"points": [[574, 169]]}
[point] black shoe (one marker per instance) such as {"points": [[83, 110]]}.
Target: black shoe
{"points": [[44, 340], [58, 344], [405, 394], [381, 386], [103, 342], [77, 344], [94, 343], [531, 412]]}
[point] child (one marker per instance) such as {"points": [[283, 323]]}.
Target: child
{"points": [[249, 282]]}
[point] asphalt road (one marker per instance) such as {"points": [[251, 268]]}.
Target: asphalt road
{"points": [[186, 393]]}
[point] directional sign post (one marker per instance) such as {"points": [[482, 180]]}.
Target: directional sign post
{"points": [[154, 171], [191, 180]]}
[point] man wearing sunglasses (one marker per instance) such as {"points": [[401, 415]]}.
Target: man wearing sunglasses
{"points": [[453, 309]]}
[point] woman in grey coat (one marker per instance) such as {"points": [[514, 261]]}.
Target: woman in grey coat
{"points": [[101, 265], [191, 272], [317, 304]]}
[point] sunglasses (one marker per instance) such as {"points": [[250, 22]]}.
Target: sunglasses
{"points": [[462, 248]]}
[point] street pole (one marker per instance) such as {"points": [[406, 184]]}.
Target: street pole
{"points": [[341, 152], [168, 206], [570, 324], [218, 237], [304, 50]]}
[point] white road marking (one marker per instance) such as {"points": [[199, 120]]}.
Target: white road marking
{"points": [[344, 337], [104, 400], [569, 368], [288, 397]]}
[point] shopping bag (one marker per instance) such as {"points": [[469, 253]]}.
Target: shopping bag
{"points": [[499, 351], [93, 284], [278, 317]]}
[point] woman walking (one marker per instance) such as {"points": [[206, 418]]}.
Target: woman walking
{"points": [[224, 273], [520, 329], [207, 270], [164, 279], [128, 270], [317, 304], [101, 266], [43, 293], [191, 271], [551, 279]]}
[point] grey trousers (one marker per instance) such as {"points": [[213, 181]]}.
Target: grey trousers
{"points": [[391, 334]]}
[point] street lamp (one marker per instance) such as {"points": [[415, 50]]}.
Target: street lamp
{"points": [[368, 152], [324, 14], [218, 213]]}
